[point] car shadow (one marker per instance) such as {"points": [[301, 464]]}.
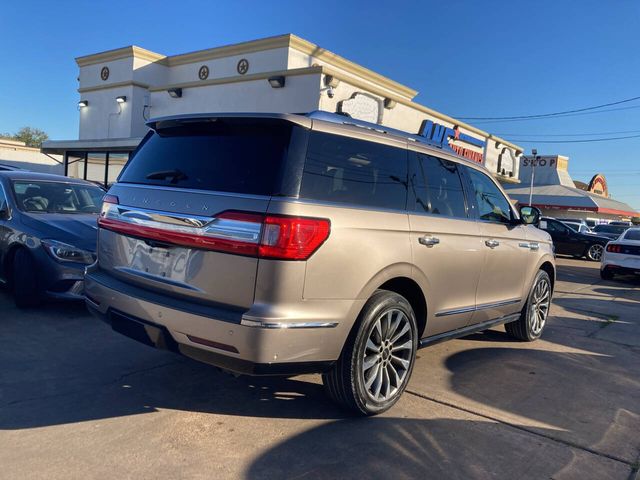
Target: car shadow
{"points": [[402, 448]]}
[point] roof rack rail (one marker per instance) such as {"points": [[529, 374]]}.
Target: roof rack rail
{"points": [[346, 120]]}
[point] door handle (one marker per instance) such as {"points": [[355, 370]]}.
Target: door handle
{"points": [[491, 243], [429, 240], [535, 246]]}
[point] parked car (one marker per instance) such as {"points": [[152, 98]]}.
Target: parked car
{"points": [[572, 220], [577, 227], [569, 242], [625, 223], [610, 231], [283, 244], [622, 256], [47, 234]]}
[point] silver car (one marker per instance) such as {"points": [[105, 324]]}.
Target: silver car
{"points": [[282, 244]]}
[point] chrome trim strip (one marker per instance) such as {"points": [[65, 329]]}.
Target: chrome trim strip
{"points": [[482, 306], [249, 322]]}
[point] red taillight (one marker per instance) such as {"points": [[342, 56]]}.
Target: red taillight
{"points": [[614, 248], [292, 238], [242, 233]]}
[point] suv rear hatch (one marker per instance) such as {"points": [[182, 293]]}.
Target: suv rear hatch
{"points": [[186, 216]]}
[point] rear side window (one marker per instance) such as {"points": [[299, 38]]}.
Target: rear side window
{"points": [[436, 187], [632, 235], [228, 155], [348, 170]]}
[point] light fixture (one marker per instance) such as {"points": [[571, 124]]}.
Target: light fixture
{"points": [[331, 81], [175, 92], [83, 103], [277, 81], [121, 99], [389, 103]]}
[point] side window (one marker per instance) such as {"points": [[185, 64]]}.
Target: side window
{"points": [[348, 170], [492, 205], [436, 186], [555, 227]]}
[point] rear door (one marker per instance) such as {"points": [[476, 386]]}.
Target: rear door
{"points": [[184, 218], [508, 255], [446, 242]]}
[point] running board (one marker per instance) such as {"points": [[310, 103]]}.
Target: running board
{"points": [[464, 331]]}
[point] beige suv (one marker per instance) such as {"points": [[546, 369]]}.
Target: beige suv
{"points": [[286, 244]]}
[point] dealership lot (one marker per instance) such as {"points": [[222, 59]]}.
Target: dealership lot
{"points": [[78, 399]]}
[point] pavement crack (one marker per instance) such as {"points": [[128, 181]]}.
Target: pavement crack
{"points": [[632, 465]]}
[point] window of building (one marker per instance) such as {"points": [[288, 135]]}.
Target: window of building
{"points": [[436, 186], [492, 205], [348, 170]]}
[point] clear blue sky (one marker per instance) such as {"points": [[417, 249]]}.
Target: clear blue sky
{"points": [[467, 58]]}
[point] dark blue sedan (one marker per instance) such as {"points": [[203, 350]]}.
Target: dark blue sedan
{"points": [[48, 234]]}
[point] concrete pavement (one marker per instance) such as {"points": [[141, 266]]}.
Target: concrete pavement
{"points": [[78, 401]]}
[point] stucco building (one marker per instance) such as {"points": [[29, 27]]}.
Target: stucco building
{"points": [[120, 89]]}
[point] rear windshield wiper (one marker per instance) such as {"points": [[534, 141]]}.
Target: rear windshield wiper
{"points": [[173, 175]]}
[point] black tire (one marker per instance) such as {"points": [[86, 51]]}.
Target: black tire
{"points": [[594, 252], [527, 327], [24, 280], [606, 274], [345, 383]]}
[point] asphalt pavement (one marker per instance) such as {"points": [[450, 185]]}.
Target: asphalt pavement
{"points": [[80, 401]]}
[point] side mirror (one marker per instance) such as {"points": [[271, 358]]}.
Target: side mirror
{"points": [[530, 215]]}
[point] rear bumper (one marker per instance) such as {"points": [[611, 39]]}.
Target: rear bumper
{"points": [[230, 339], [619, 269]]}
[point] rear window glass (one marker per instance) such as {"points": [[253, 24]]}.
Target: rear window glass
{"points": [[348, 170], [227, 155], [632, 235]]}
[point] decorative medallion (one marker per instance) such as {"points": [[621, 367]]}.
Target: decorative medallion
{"points": [[203, 73], [362, 106], [243, 66], [104, 73]]}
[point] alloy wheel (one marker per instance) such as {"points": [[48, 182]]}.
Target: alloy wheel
{"points": [[387, 355], [595, 252], [539, 309]]}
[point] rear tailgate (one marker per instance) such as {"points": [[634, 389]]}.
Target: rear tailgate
{"points": [[161, 227], [162, 264]]}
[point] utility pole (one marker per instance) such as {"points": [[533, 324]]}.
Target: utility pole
{"points": [[534, 153]]}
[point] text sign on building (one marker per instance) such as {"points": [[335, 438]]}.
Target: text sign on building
{"points": [[451, 138]]}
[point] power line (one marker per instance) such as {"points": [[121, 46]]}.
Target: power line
{"points": [[589, 140], [553, 114], [564, 134], [558, 116]]}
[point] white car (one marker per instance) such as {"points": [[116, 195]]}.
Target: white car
{"points": [[622, 256]]}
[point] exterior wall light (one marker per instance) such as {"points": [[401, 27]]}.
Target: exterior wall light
{"points": [[175, 92], [277, 81], [121, 99], [389, 103], [83, 103], [331, 81]]}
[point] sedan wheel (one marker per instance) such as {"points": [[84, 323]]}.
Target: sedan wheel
{"points": [[595, 252]]}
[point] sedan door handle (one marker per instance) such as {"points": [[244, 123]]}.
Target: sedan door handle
{"points": [[491, 243], [530, 245], [429, 240]]}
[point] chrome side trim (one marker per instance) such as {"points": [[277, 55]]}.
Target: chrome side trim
{"points": [[248, 322], [482, 306]]}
